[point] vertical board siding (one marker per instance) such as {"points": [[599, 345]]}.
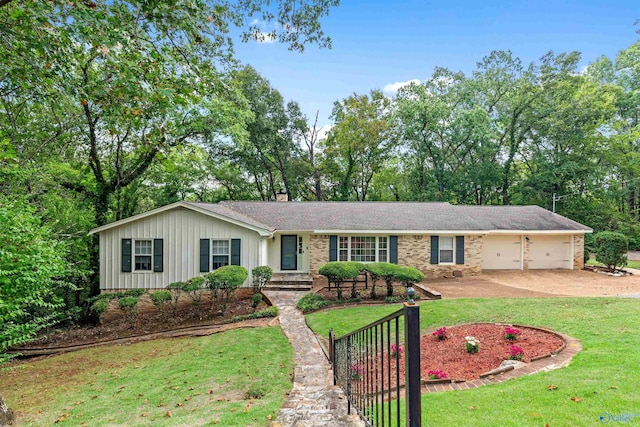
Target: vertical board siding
{"points": [[181, 230]]}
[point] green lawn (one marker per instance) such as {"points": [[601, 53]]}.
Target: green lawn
{"points": [[630, 263], [190, 381], [602, 378]]}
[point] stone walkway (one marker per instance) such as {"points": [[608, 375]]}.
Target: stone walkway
{"points": [[314, 400]]}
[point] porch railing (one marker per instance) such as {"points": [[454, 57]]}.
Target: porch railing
{"points": [[373, 363]]}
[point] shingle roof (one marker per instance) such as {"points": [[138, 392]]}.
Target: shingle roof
{"points": [[390, 216]]}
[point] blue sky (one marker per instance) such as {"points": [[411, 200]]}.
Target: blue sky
{"points": [[379, 43]]}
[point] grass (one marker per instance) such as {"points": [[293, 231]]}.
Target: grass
{"points": [[630, 263], [238, 377], [602, 378]]}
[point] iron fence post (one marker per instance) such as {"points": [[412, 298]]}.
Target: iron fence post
{"points": [[412, 364]]}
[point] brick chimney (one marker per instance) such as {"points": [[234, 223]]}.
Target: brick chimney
{"points": [[282, 196]]}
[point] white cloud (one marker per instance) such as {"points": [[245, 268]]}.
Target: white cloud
{"points": [[256, 22], [395, 87], [324, 131], [262, 37]]}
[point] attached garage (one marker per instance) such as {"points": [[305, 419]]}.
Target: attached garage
{"points": [[502, 252], [550, 252]]}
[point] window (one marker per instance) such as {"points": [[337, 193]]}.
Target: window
{"points": [[446, 249], [143, 253], [220, 252], [363, 248], [382, 248], [343, 249]]}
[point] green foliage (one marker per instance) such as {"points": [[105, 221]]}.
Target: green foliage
{"points": [[312, 302], [255, 391], [98, 308], [385, 271], [260, 276], [269, 312], [337, 272], [256, 299], [223, 283], [138, 292], [400, 298], [160, 298], [130, 306], [30, 262], [193, 287], [409, 276], [176, 289], [611, 249]]}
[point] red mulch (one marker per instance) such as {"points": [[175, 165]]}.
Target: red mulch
{"points": [[451, 356]]}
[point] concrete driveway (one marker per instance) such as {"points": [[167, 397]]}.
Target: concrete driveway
{"points": [[536, 283]]}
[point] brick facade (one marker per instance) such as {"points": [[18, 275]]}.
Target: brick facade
{"points": [[415, 250], [578, 251]]}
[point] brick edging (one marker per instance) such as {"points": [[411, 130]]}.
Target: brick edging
{"points": [[554, 360]]}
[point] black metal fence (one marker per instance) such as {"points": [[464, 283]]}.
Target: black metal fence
{"points": [[376, 362]]}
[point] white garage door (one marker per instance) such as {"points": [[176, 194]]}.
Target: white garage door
{"points": [[547, 252], [501, 253]]}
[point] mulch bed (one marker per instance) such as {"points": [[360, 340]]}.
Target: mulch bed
{"points": [[150, 319]]}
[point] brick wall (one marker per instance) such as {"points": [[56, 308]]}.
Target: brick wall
{"points": [[415, 251], [318, 252], [578, 251]]}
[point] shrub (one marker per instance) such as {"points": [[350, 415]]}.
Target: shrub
{"points": [[385, 271], [400, 298], [337, 272], [437, 374], [409, 276], [269, 312], [98, 308], [312, 302], [128, 305], [161, 298], [440, 333], [511, 334], [226, 280], [176, 289], [515, 353], [193, 287], [260, 276], [256, 299], [134, 292], [611, 249], [472, 344]]}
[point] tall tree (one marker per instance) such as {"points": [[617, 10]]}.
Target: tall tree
{"points": [[358, 145]]}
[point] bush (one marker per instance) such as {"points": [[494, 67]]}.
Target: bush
{"points": [[193, 287], [269, 312], [385, 271], [226, 280], [134, 292], [611, 249], [256, 299], [312, 302], [256, 391], [98, 308], [176, 289], [260, 277], [337, 272], [409, 276], [128, 305], [161, 298]]}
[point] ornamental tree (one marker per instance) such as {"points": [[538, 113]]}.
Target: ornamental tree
{"points": [[611, 249]]}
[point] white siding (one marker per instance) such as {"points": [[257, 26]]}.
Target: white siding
{"points": [[181, 230], [274, 253]]}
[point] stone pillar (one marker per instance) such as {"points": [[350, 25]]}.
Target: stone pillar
{"points": [[578, 251], [318, 253]]}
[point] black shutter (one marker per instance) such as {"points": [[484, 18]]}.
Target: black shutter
{"points": [[333, 248], [393, 249], [126, 255], [235, 251], [459, 249], [205, 246], [435, 241], [157, 255]]}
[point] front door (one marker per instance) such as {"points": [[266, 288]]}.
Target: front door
{"points": [[289, 252]]}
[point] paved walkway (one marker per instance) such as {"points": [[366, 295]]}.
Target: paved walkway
{"points": [[314, 400]]}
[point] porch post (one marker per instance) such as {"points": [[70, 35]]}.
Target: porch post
{"points": [[263, 258]]}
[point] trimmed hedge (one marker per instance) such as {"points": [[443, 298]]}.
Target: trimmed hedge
{"points": [[409, 276], [260, 276]]}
